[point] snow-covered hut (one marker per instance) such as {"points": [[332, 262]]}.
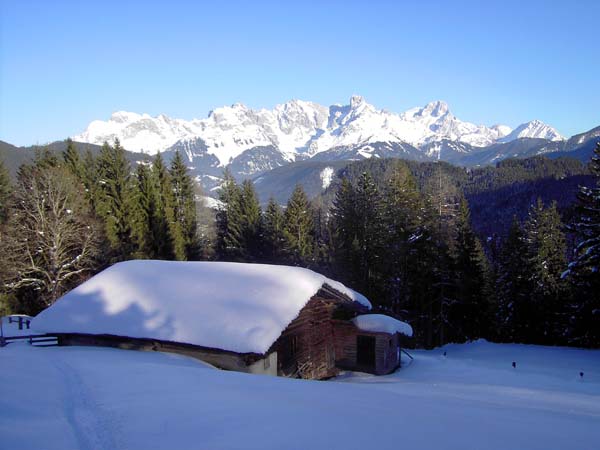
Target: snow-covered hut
{"points": [[256, 318]]}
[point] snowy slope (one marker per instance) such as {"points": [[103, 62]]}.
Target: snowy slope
{"points": [[230, 306], [535, 129], [299, 130], [139, 132], [65, 398]]}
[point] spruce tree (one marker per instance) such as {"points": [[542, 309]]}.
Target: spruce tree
{"points": [[184, 207], [358, 213], [145, 214], [547, 259], [167, 235], [228, 220], [72, 159], [299, 228], [513, 286], [345, 220], [273, 235], [114, 199], [250, 222], [470, 313], [403, 217], [584, 270], [324, 235], [371, 239], [91, 178]]}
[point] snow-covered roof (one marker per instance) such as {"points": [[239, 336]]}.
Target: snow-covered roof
{"points": [[383, 324], [230, 306]]}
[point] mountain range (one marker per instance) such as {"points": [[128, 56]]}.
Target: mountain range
{"points": [[252, 143], [299, 130]]}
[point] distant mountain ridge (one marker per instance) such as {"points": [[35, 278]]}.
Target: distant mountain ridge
{"points": [[251, 143], [299, 130]]}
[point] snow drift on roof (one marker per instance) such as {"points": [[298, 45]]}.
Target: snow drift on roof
{"points": [[230, 306], [379, 323]]}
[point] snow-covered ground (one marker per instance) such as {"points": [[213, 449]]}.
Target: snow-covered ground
{"points": [[472, 398]]}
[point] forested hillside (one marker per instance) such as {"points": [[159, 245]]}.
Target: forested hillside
{"points": [[458, 253], [495, 194]]}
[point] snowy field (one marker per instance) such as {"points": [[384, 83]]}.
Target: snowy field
{"points": [[95, 398]]}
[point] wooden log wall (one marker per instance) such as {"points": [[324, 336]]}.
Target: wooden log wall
{"points": [[345, 338], [305, 349]]}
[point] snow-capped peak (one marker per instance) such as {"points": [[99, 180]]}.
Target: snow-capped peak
{"points": [[124, 116], [300, 129], [356, 101], [435, 109], [533, 129]]}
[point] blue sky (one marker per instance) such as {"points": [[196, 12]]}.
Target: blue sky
{"points": [[66, 63]]}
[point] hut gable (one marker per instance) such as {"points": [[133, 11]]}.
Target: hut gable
{"points": [[306, 347], [235, 307]]}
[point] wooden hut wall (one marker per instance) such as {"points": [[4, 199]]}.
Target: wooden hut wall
{"points": [[388, 353], [386, 348], [305, 348]]}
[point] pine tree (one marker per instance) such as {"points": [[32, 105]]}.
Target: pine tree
{"points": [[513, 285], [72, 159], [299, 228], [91, 178], [345, 219], [228, 220], [403, 217], [167, 235], [324, 235], [273, 235], [470, 313], [370, 237], [547, 249], [358, 213], [184, 206], [250, 223], [444, 198], [145, 214], [584, 270], [114, 198]]}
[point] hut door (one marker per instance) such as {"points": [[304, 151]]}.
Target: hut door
{"points": [[365, 351]]}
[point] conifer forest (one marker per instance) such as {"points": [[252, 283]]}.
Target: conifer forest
{"points": [[500, 252]]}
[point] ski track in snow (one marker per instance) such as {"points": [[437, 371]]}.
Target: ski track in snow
{"points": [[93, 426]]}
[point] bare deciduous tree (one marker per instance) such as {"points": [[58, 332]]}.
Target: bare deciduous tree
{"points": [[53, 238]]}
